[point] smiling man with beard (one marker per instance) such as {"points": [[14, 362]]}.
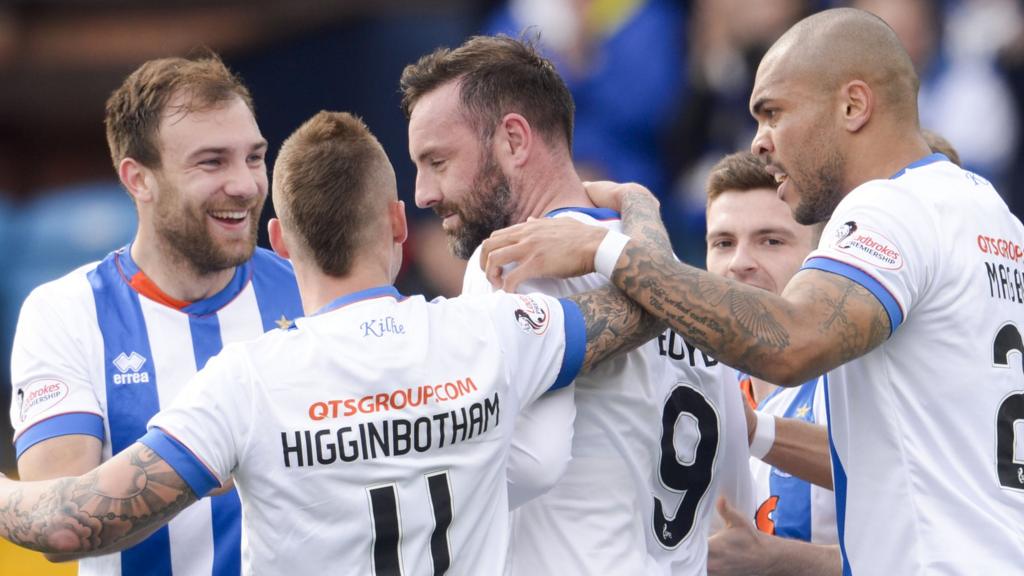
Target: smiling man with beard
{"points": [[99, 351], [490, 132]]}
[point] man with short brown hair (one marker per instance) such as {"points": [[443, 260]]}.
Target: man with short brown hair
{"points": [[490, 132], [101, 350]]}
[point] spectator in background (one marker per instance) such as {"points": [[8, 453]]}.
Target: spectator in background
{"points": [[728, 39], [625, 64], [962, 95]]}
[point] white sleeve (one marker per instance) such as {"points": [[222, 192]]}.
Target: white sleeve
{"points": [[881, 238], [544, 341], [204, 431], [541, 446], [53, 394], [542, 442]]}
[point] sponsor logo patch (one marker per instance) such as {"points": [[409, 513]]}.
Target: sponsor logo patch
{"points": [[129, 366], [531, 315], [868, 245], [40, 396]]}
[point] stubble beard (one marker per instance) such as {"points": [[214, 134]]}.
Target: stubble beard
{"points": [[185, 231], [822, 195], [488, 206]]}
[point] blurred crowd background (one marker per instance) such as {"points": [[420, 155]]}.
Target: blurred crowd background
{"points": [[661, 89]]}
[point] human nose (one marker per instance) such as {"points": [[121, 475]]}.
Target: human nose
{"points": [[743, 262], [427, 192], [246, 181], [762, 143]]}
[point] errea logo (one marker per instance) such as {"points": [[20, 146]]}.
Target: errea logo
{"points": [[129, 366]]}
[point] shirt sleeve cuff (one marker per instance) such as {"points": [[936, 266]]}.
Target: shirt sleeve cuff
{"points": [[575, 344], [85, 423], [871, 284], [192, 470]]}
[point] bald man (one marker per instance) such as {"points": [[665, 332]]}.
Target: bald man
{"points": [[912, 302]]}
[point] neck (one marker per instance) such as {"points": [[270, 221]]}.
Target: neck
{"points": [[173, 273], [550, 187], [318, 289], [873, 162]]}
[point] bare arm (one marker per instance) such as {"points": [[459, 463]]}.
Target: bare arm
{"points": [[61, 456], [103, 511], [821, 321], [800, 448], [740, 549], [614, 324]]}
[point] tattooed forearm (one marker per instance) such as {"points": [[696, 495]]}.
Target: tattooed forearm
{"points": [[641, 219], [828, 321], [614, 324], [99, 512]]}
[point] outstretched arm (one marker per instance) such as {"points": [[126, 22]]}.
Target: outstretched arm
{"points": [[821, 321], [103, 511]]}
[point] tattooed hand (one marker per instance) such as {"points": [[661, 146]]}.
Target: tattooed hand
{"points": [[105, 510]]}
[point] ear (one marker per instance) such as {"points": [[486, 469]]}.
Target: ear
{"points": [[276, 234], [399, 225], [858, 104], [137, 179], [513, 141]]}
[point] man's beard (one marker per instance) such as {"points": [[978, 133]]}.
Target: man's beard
{"points": [[819, 199], [487, 206], [185, 230]]}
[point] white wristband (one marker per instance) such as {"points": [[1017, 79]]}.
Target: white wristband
{"points": [[608, 253], [764, 435]]}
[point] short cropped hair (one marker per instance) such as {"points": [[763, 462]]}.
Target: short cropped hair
{"points": [[497, 75], [738, 172], [327, 187], [743, 172], [134, 110]]}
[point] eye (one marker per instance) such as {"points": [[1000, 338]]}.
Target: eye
{"points": [[437, 164], [774, 242], [210, 162], [255, 158], [721, 244]]}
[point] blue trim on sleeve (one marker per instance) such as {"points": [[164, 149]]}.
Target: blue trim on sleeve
{"points": [[888, 301], [191, 469], [575, 344], [61, 425], [600, 214]]}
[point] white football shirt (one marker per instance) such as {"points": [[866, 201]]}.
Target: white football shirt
{"points": [[649, 447], [927, 429], [100, 351], [373, 438]]}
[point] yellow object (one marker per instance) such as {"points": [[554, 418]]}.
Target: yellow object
{"points": [[16, 561]]}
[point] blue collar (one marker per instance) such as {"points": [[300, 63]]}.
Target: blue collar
{"points": [[203, 307], [929, 159], [595, 213], [368, 294]]}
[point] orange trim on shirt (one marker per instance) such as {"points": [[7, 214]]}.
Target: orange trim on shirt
{"points": [[143, 285], [747, 388]]}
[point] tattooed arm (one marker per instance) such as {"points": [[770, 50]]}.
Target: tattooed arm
{"points": [[614, 323], [103, 511], [821, 321]]}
